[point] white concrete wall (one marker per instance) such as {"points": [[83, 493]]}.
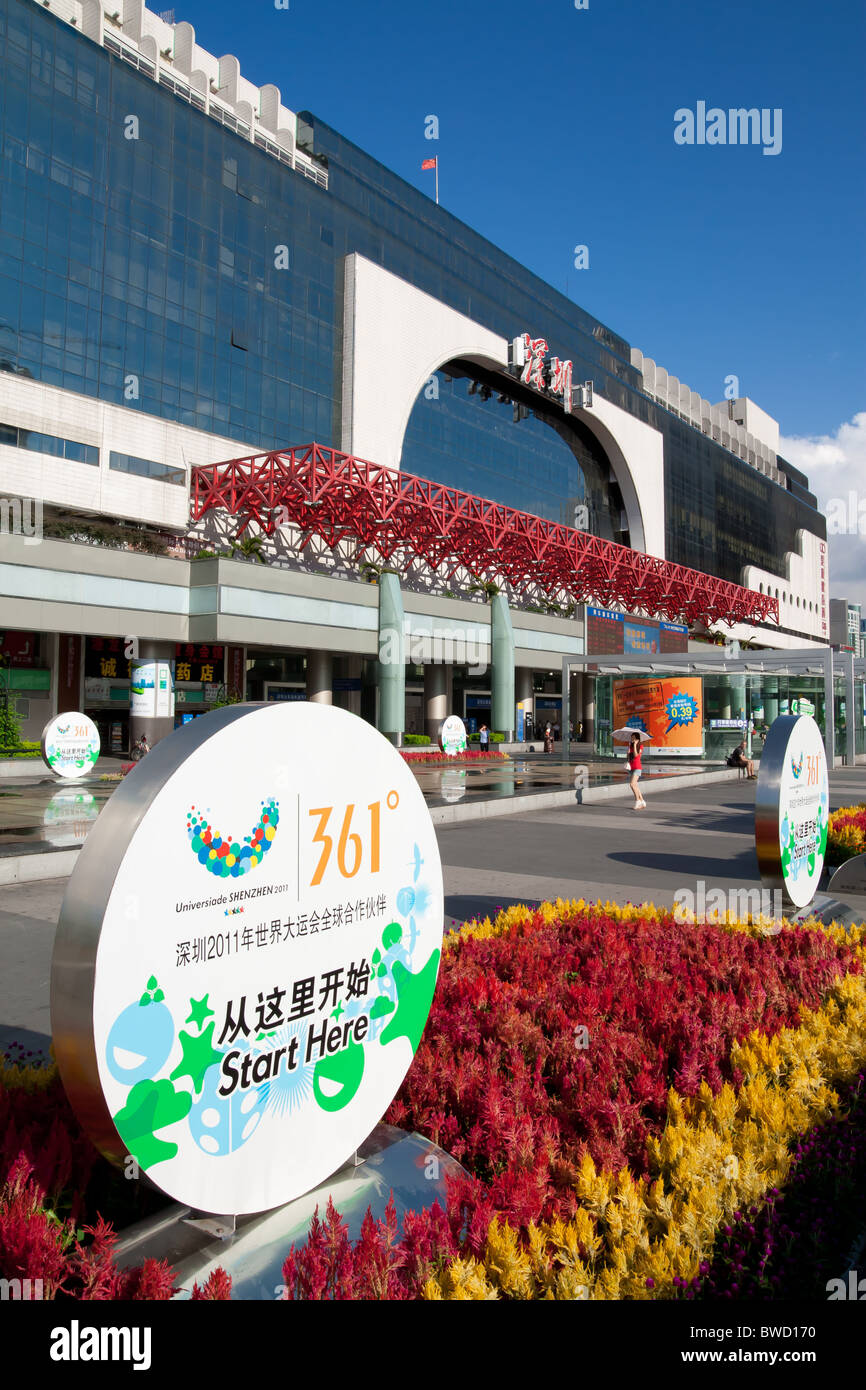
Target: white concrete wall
{"points": [[78, 486], [756, 421], [394, 339], [802, 606], [636, 452]]}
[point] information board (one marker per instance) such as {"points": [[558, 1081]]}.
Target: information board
{"points": [[247, 953]]}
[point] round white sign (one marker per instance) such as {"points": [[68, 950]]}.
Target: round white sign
{"points": [[70, 745], [792, 807], [259, 911], [452, 736]]}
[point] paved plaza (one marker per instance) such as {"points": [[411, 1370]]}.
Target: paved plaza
{"points": [[40, 812], [599, 850]]}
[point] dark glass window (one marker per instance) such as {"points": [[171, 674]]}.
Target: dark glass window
{"points": [[147, 468], [38, 443]]}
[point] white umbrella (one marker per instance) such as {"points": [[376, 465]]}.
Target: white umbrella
{"points": [[623, 735]]}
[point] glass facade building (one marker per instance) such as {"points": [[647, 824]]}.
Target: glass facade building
{"points": [[756, 700], [155, 259]]}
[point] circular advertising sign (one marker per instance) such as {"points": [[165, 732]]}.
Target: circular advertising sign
{"points": [[247, 953], [792, 808], [70, 745], [452, 736]]}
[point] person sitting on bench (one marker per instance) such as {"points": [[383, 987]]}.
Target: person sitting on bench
{"points": [[738, 759]]}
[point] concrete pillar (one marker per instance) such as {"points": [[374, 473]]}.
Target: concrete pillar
{"points": [[522, 683], [320, 666], [437, 697], [588, 715], [725, 699], [738, 696], [829, 709], [392, 662], [523, 695], [850, 746], [354, 667], [502, 710], [576, 701], [146, 722], [770, 695]]}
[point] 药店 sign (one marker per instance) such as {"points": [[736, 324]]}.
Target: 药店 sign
{"points": [[247, 953], [792, 808], [70, 744]]}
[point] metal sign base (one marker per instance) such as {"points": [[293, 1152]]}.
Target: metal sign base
{"points": [[220, 1226]]}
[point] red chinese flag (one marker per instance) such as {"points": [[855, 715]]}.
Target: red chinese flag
{"points": [[429, 163]]}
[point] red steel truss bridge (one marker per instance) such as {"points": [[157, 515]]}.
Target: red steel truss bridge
{"points": [[338, 498]]}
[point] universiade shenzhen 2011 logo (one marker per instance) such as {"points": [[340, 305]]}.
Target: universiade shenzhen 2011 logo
{"points": [[223, 855]]}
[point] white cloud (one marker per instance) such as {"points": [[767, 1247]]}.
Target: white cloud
{"points": [[836, 468]]}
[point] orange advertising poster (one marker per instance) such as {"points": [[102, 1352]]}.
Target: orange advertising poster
{"points": [[669, 710]]}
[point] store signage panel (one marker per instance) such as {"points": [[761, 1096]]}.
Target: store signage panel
{"points": [[611, 633], [640, 637], [19, 648], [604, 631], [673, 637], [199, 661]]}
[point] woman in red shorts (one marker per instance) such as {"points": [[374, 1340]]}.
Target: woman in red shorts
{"points": [[633, 764]]}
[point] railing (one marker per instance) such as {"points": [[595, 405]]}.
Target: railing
{"points": [[128, 55], [217, 112]]}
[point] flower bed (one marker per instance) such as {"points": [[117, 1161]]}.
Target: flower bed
{"points": [[619, 1088], [470, 755], [846, 834], [628, 1093], [805, 1237]]}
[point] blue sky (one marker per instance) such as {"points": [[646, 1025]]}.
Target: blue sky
{"points": [[556, 129]]}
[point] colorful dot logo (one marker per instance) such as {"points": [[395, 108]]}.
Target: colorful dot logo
{"points": [[223, 855]]}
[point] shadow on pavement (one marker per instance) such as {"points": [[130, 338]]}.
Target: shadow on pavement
{"points": [[739, 868], [463, 907], [35, 1043]]}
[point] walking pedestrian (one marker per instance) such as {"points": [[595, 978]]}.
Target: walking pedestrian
{"points": [[548, 738], [633, 765]]}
